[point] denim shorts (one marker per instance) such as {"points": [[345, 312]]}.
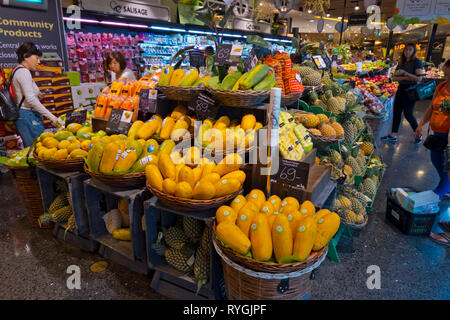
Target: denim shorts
{"points": [[29, 126]]}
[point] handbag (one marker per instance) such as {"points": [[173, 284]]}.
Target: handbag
{"points": [[9, 110], [435, 143], [421, 91]]}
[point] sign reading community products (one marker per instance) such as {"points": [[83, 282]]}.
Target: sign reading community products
{"points": [[43, 27], [424, 9]]}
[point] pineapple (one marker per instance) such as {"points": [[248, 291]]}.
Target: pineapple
{"points": [[175, 237], [335, 157], [303, 70], [337, 127], [361, 161], [193, 228], [206, 238], [322, 117], [177, 259], [346, 203], [327, 131], [368, 188], [349, 132], [353, 164], [312, 79], [315, 132], [357, 207], [59, 202], [45, 220], [350, 216], [62, 215], [348, 170], [201, 266], [310, 120], [337, 205], [367, 148], [334, 106], [359, 218]]}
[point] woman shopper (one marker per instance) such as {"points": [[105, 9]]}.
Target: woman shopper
{"points": [[116, 64], [408, 73], [29, 125], [440, 125]]}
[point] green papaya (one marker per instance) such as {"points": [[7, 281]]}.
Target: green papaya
{"points": [[95, 156], [63, 135], [213, 82], [136, 145], [267, 83], [229, 81], [254, 76]]}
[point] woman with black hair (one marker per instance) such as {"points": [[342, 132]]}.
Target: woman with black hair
{"points": [[29, 125], [409, 72], [116, 64]]}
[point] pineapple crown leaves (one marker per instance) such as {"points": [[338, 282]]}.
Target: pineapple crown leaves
{"points": [[61, 186]]}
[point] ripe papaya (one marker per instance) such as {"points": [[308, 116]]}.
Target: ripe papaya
{"points": [[110, 155], [204, 190], [232, 236], [305, 236], [226, 186], [189, 78], [261, 238], [327, 226], [177, 76], [134, 128], [169, 186], [94, 156], [153, 176], [226, 213], [282, 237], [267, 83], [126, 160], [231, 162], [165, 76]]}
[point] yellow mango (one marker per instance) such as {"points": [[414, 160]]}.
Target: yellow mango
{"points": [[238, 174], [226, 213], [142, 142], [193, 156], [275, 201], [231, 235], [282, 237], [248, 122], [153, 176], [187, 175], [169, 186], [183, 190], [327, 226], [204, 190], [61, 154], [305, 237], [238, 203], [261, 238], [258, 125], [74, 127], [226, 186], [177, 171], [122, 234], [78, 153], [231, 162], [166, 167], [208, 168], [49, 153], [245, 217], [292, 201]]}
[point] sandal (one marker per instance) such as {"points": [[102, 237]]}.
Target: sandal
{"points": [[443, 236], [444, 226]]}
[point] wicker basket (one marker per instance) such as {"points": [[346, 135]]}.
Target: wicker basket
{"points": [[267, 267], [239, 98], [119, 181], [181, 204], [245, 284], [180, 93], [27, 184], [355, 226], [319, 141], [67, 165], [291, 98]]}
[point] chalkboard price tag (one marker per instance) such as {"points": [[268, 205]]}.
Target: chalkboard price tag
{"points": [[76, 117], [251, 61], [223, 54], [292, 173], [119, 121], [205, 107]]}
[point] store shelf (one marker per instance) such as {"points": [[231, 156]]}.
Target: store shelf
{"points": [[125, 248]]}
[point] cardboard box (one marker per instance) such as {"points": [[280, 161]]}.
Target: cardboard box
{"points": [[60, 81], [43, 82]]}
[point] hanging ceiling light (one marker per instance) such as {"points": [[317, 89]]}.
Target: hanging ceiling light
{"points": [[357, 6], [309, 11], [284, 6], [328, 15]]}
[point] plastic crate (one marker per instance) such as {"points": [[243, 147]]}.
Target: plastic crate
{"points": [[409, 223]]}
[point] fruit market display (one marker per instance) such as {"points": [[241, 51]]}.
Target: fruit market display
{"points": [[372, 104], [259, 78], [19, 159], [117, 221], [334, 98], [295, 142], [434, 73], [310, 77], [379, 86], [274, 230], [70, 143], [186, 246], [180, 77], [366, 66], [123, 94], [320, 125], [174, 175]]}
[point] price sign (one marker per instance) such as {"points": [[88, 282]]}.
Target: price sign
{"points": [[251, 61], [205, 107], [223, 54], [147, 100], [236, 53], [292, 173], [327, 60], [119, 121], [76, 117]]}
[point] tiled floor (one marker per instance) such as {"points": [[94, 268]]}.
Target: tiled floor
{"points": [[34, 264]]}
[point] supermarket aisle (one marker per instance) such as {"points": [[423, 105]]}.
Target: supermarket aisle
{"points": [[34, 264]]}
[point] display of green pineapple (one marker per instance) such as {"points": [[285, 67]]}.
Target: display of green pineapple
{"points": [[345, 202], [179, 260], [193, 228], [360, 196], [206, 238], [349, 131], [175, 237], [357, 207], [368, 187], [59, 202], [45, 220], [362, 161], [352, 163], [312, 79], [335, 157], [202, 266], [62, 215]]}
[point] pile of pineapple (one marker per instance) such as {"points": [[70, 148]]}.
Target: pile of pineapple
{"points": [[310, 77], [351, 205], [60, 210], [334, 98], [187, 247], [321, 125]]}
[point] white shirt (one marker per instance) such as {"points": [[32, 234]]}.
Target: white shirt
{"points": [[24, 84], [127, 73]]}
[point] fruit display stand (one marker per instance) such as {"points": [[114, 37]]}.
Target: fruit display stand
{"points": [[100, 199], [167, 279], [80, 236]]}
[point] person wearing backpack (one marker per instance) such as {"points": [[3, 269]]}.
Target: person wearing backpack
{"points": [[29, 124]]}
